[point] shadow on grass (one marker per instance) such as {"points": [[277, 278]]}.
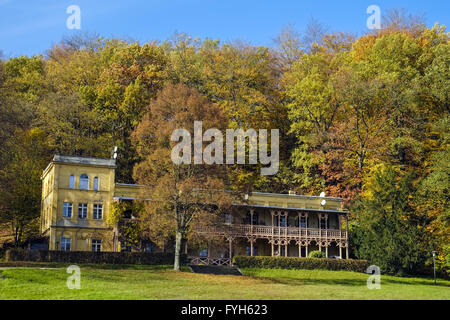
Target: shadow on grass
{"points": [[49, 265], [345, 282]]}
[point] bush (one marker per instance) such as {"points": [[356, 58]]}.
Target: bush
{"points": [[92, 257], [316, 254], [300, 263]]}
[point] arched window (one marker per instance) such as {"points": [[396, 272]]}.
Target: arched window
{"points": [[324, 223], [72, 182], [84, 182], [96, 183]]}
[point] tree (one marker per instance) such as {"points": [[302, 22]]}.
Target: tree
{"points": [[289, 47], [21, 184], [311, 94], [387, 231], [433, 195], [244, 81], [182, 195], [313, 34], [109, 83]]}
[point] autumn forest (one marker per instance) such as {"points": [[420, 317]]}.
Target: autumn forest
{"points": [[365, 118]]}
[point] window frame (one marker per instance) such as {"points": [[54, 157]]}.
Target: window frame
{"points": [[203, 253], [83, 184], [82, 206], [228, 218], [324, 225], [96, 185], [71, 181], [65, 209], [95, 212], [303, 223], [248, 251], [97, 246], [64, 242]]}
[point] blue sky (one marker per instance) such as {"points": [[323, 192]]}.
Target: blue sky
{"points": [[30, 27]]}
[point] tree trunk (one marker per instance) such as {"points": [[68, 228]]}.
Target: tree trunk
{"points": [[178, 238]]}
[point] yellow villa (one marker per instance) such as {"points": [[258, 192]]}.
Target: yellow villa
{"points": [[78, 193]]}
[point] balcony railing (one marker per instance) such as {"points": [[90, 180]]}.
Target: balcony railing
{"points": [[207, 261], [244, 230]]}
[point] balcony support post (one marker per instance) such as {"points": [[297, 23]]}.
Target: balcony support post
{"points": [[346, 236], [252, 240], [272, 213], [230, 248], [286, 242]]}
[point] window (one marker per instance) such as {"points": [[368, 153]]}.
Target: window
{"points": [[283, 222], [67, 209], [65, 244], [149, 247], [228, 218], [255, 218], [96, 183], [248, 218], [82, 210], [323, 223], [72, 182], [98, 211], [96, 245], [84, 182], [248, 251], [204, 253], [303, 222]]}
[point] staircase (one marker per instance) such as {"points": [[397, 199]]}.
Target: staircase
{"points": [[216, 270]]}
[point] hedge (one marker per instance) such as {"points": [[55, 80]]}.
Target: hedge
{"points": [[92, 257], [316, 254], [300, 263]]}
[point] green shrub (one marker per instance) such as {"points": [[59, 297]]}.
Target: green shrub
{"points": [[92, 257], [300, 263], [316, 254]]}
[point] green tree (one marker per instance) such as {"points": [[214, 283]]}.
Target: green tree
{"points": [[21, 184], [387, 231]]}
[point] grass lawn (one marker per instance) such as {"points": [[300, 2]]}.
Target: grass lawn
{"points": [[160, 282]]}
